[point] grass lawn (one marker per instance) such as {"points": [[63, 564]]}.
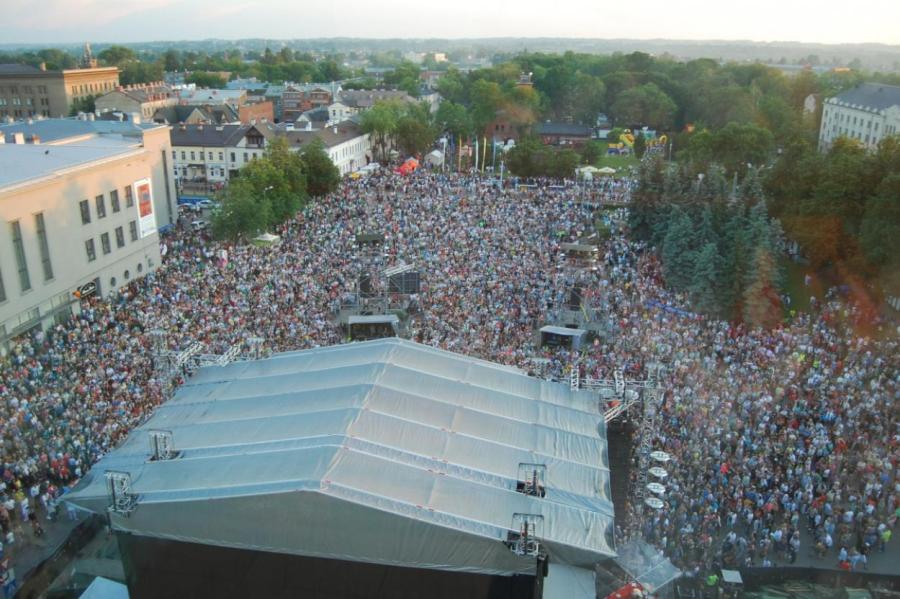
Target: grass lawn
{"points": [[617, 162]]}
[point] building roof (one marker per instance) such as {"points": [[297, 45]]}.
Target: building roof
{"points": [[24, 163], [214, 135], [330, 136], [212, 96], [874, 96], [366, 98], [57, 130], [572, 129], [318, 115], [386, 451], [218, 114], [18, 69]]}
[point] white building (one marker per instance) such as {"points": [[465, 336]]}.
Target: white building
{"points": [[80, 211], [867, 113], [346, 144], [204, 157]]}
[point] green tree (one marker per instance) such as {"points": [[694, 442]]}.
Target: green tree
{"points": [[117, 55], [640, 145], [762, 301], [380, 122], [415, 129], [705, 281], [83, 104], [322, 176], [644, 105], [203, 79], [172, 60], [880, 230], [677, 257], [591, 152], [243, 214]]}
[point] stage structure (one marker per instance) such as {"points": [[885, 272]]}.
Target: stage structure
{"points": [[379, 469], [382, 297], [641, 397]]}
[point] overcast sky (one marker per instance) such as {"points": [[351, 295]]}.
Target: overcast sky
{"points": [[825, 21]]}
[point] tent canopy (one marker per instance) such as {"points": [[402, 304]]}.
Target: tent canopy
{"points": [[330, 451]]}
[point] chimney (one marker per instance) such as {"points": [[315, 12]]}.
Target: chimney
{"points": [[36, 140], [136, 118], [29, 121], [200, 127], [18, 138], [334, 129], [91, 116], [43, 66], [2, 138]]}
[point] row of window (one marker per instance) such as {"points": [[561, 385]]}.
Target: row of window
{"points": [[22, 113], [26, 89], [106, 243], [185, 172], [21, 260], [91, 88], [845, 118], [100, 204], [203, 156]]}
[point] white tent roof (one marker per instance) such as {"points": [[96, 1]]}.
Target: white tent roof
{"points": [[385, 451], [565, 331]]}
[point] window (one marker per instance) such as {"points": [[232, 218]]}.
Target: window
{"points": [[193, 155], [127, 275], [245, 157], [114, 200], [85, 212], [182, 156], [2, 289], [232, 157], [101, 206], [19, 248], [129, 197], [104, 242], [41, 229], [132, 229], [91, 251], [221, 156], [120, 237]]}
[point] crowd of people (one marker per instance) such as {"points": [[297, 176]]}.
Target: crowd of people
{"points": [[782, 440]]}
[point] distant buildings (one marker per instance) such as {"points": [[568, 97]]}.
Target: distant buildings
{"points": [[867, 113], [81, 202], [563, 134], [144, 99], [26, 91]]}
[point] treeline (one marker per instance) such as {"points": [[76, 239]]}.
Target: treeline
{"points": [[842, 207], [714, 237]]}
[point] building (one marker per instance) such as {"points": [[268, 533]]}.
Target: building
{"points": [[205, 157], [256, 111], [143, 99], [867, 113], [26, 91], [346, 144], [297, 99], [80, 206], [217, 114], [563, 134], [360, 100], [336, 471], [199, 97]]}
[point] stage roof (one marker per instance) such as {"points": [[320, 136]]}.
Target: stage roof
{"points": [[385, 451]]}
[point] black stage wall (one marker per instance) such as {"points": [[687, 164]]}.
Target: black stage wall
{"points": [[157, 568]]}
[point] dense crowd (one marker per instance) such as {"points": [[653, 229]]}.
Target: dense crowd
{"points": [[771, 432]]}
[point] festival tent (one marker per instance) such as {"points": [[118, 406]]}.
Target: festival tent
{"points": [[606, 170], [387, 452], [266, 239], [407, 167], [434, 158]]}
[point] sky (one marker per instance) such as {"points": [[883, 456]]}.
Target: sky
{"points": [[822, 21]]}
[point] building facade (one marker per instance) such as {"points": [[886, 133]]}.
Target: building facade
{"points": [[26, 91], [345, 143], [75, 220], [205, 157], [144, 99], [867, 113]]}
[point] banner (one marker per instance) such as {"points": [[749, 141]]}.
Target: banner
{"points": [[146, 218]]}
